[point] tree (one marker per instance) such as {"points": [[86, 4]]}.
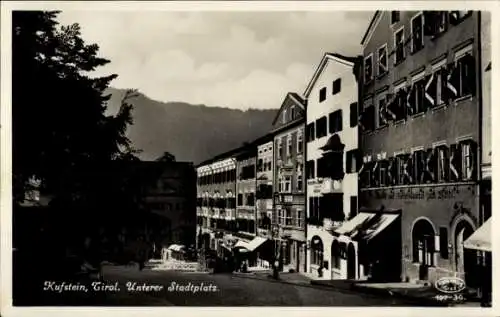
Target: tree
{"points": [[166, 157], [61, 133], [60, 129]]}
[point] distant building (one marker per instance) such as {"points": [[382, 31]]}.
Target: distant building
{"points": [[289, 195], [169, 190], [420, 115], [331, 166]]}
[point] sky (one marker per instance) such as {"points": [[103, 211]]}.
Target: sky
{"points": [[236, 60]]}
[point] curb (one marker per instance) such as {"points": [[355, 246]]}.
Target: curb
{"points": [[396, 294], [309, 284]]}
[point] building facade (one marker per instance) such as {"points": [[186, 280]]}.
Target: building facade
{"points": [[216, 203], [264, 183], [245, 187], [289, 195], [169, 192], [331, 165], [421, 128]]}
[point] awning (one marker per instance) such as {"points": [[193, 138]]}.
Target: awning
{"points": [[241, 244], [481, 238], [176, 247], [255, 243], [366, 226]]}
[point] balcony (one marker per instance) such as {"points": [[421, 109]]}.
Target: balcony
{"points": [[230, 214], [216, 213], [330, 186]]}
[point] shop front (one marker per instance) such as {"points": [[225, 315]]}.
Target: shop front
{"points": [[480, 242], [368, 247]]}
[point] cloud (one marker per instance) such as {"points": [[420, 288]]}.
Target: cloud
{"points": [[229, 59]]}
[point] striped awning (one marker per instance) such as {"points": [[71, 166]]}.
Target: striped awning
{"points": [[481, 239]]}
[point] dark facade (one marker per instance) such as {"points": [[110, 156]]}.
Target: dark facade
{"points": [[289, 182], [420, 119]]}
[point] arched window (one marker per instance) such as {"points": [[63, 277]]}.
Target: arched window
{"points": [[316, 251], [423, 242]]}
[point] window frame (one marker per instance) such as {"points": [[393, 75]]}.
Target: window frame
{"points": [[322, 94], [335, 121], [336, 86], [370, 57], [300, 141], [384, 48], [353, 117], [319, 120], [412, 45], [393, 17], [395, 33]]}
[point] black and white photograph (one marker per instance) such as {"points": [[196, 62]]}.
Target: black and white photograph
{"points": [[245, 155]]}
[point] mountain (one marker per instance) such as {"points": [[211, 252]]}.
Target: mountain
{"points": [[190, 132]]}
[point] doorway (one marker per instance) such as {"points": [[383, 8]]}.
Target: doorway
{"points": [[351, 262]]}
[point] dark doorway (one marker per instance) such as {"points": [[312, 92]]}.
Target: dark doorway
{"points": [[351, 262], [466, 259], [423, 246]]}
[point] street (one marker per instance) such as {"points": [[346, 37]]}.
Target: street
{"points": [[220, 290]]}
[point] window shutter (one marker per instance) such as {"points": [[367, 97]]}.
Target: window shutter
{"points": [[455, 162], [474, 155], [408, 169], [452, 81], [430, 90], [410, 100]]}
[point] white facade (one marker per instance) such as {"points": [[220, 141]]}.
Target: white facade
{"points": [[324, 98]]}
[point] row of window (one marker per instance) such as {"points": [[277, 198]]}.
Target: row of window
{"points": [[441, 164], [216, 202], [299, 145], [322, 126], [336, 87], [445, 84], [332, 164], [218, 178], [427, 23], [329, 206], [285, 184], [265, 164], [291, 218]]}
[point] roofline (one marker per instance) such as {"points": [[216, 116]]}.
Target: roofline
{"points": [[370, 26], [300, 103], [291, 124], [327, 56]]}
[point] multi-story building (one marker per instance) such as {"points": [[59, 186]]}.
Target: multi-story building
{"points": [[264, 196], [288, 200], [264, 183], [480, 240], [421, 128], [331, 166], [246, 162], [216, 204], [169, 191]]}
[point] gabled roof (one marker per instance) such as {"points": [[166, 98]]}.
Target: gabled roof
{"points": [[298, 100], [371, 26], [346, 60]]}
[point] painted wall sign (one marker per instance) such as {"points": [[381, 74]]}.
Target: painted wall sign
{"points": [[419, 193]]}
